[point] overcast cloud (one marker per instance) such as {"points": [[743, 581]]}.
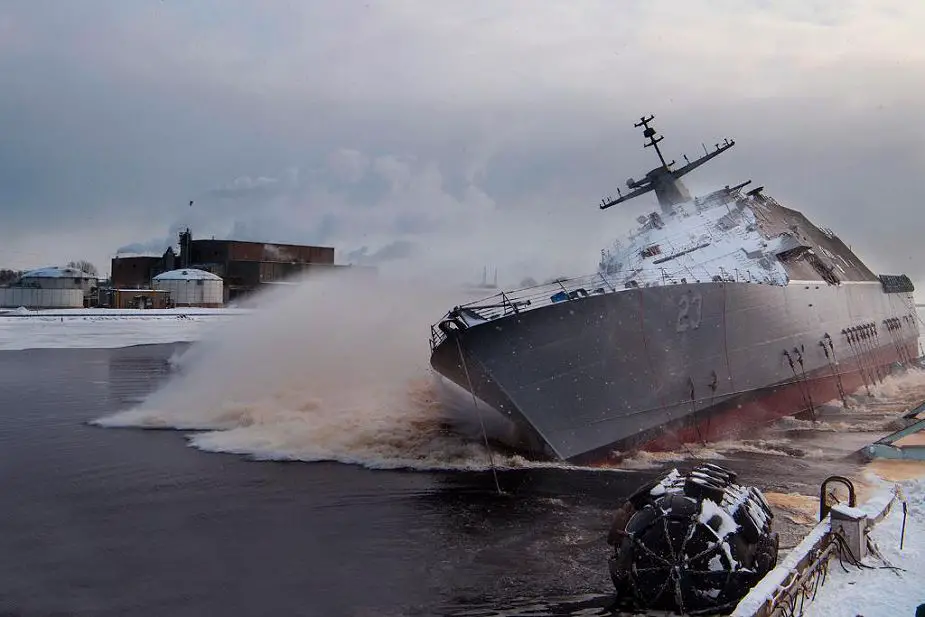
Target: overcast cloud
{"points": [[451, 134]]}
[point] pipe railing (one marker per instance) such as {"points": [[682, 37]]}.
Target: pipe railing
{"points": [[506, 303]]}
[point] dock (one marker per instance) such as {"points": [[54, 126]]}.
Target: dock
{"points": [[790, 587]]}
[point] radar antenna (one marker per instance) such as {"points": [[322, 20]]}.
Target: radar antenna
{"points": [[653, 140], [665, 181]]}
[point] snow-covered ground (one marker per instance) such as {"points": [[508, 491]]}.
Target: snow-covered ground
{"points": [[69, 328], [882, 592]]}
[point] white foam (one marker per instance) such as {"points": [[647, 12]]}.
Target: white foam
{"points": [[718, 450], [326, 370]]}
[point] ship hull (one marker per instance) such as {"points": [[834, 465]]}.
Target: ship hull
{"points": [[658, 366]]}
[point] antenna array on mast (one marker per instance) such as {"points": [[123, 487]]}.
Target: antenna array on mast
{"points": [[663, 180]]}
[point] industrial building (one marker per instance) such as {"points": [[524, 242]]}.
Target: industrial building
{"points": [[52, 287], [134, 298], [137, 271], [242, 267]]}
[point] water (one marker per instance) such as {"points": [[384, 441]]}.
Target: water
{"points": [[391, 509], [107, 522]]}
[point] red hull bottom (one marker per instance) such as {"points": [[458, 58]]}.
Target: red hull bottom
{"points": [[763, 407]]}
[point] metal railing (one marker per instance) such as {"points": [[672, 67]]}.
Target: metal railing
{"points": [[506, 303]]}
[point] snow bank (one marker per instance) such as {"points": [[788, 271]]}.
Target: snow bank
{"points": [[101, 328], [866, 584], [87, 313], [882, 592]]}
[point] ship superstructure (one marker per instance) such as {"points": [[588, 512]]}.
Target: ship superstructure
{"points": [[713, 314]]}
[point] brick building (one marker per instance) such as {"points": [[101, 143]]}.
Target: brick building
{"points": [[136, 271], [244, 266]]}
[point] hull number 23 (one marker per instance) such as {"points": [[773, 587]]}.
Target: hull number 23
{"points": [[690, 311]]}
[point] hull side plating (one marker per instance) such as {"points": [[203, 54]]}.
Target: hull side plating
{"points": [[657, 366]]}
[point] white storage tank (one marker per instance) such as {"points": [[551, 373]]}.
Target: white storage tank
{"points": [[37, 298], [58, 278], [191, 287], [49, 288]]}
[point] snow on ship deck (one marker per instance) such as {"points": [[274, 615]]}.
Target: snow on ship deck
{"points": [[725, 236]]}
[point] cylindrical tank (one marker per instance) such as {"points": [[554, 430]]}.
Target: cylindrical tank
{"points": [[58, 278], [191, 287], [36, 298]]}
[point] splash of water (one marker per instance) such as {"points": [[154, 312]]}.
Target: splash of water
{"points": [[334, 368]]}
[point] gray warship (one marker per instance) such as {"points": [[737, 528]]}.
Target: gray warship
{"points": [[716, 314]]}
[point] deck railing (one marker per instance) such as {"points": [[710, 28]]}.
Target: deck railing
{"points": [[507, 303]]}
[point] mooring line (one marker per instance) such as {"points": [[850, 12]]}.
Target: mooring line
{"points": [[849, 335], [491, 459], [833, 366]]}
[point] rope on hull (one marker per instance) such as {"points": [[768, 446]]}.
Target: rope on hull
{"points": [[491, 458]]}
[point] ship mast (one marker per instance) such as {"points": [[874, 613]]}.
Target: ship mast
{"points": [[653, 141], [665, 181]]}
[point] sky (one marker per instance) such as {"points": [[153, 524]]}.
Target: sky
{"points": [[447, 136]]}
